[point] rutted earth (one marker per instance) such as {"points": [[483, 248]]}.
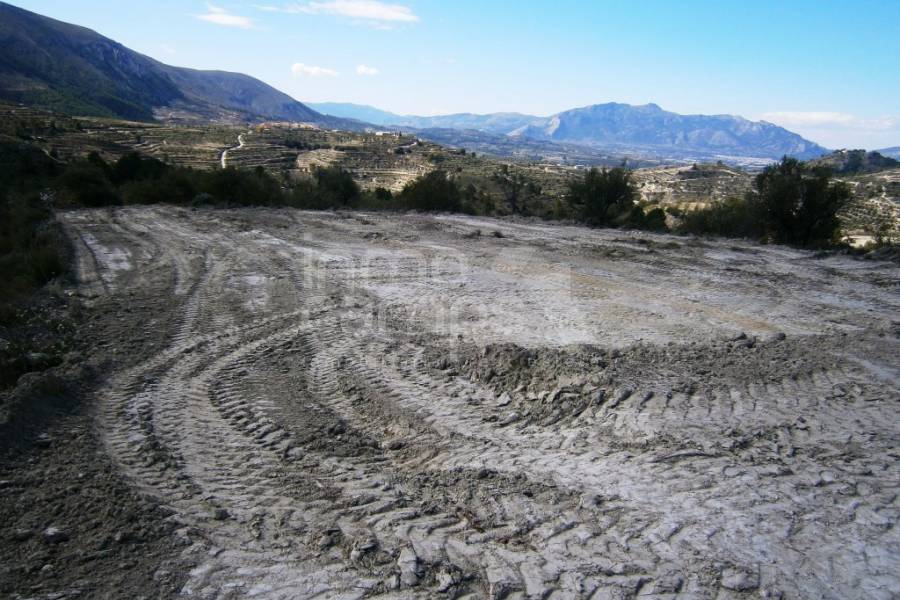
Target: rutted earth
{"points": [[358, 405]]}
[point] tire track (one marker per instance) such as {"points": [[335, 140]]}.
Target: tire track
{"points": [[306, 445]]}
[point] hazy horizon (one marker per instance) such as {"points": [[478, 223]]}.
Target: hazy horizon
{"points": [[826, 72]]}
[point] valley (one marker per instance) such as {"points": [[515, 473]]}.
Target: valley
{"points": [[535, 338], [390, 160]]}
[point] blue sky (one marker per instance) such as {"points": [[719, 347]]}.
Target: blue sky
{"points": [[828, 69]]}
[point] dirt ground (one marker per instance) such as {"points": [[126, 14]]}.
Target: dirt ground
{"points": [[296, 405]]}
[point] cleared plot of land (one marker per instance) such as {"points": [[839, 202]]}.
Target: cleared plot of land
{"points": [[357, 405]]}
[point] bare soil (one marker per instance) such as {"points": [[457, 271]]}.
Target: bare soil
{"points": [[295, 405]]}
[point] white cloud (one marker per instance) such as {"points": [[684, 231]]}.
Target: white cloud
{"points": [[301, 70], [840, 130], [831, 120], [220, 16], [371, 11], [366, 70]]}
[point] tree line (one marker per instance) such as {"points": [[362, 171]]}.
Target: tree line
{"points": [[791, 202]]}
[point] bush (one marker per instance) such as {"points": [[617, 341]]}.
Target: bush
{"points": [[602, 197], [335, 187], [134, 167], [384, 195], [173, 188], [652, 220], [236, 187], [433, 191], [24, 168], [517, 189], [800, 203], [734, 217], [33, 249], [86, 183]]}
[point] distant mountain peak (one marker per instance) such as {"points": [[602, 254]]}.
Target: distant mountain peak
{"points": [[617, 127]]}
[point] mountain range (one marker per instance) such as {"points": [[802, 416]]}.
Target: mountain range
{"points": [[55, 65], [614, 127], [892, 152], [72, 69]]}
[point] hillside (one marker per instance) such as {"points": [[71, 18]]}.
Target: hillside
{"points": [[856, 161], [616, 125], [892, 152], [646, 131], [391, 160], [71, 69]]}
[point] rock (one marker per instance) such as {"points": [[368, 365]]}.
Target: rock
{"points": [[739, 579], [43, 441], [36, 359], [590, 500], [504, 399], [392, 582], [362, 547], [446, 580], [408, 563], [329, 538], [394, 445], [55, 535], [670, 583], [509, 419], [220, 514], [20, 535]]}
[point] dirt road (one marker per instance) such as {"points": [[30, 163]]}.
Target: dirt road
{"points": [[224, 158], [357, 405]]}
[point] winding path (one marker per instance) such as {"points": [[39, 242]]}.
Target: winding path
{"points": [[226, 151]]}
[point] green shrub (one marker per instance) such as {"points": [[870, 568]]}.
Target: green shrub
{"points": [[800, 203], [236, 187], [335, 187], [86, 183], [603, 197], [433, 191], [652, 220], [33, 249], [734, 217], [134, 167]]}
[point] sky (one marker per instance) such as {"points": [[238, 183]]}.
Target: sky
{"points": [[827, 69]]}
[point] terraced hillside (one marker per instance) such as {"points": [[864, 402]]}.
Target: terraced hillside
{"points": [[876, 203], [390, 160], [691, 187], [368, 406]]}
